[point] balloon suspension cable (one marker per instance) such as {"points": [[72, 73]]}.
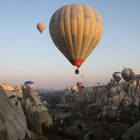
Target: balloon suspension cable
{"points": [[77, 71]]}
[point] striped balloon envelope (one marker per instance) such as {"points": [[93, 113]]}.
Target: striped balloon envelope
{"points": [[117, 76], [127, 74], [76, 30]]}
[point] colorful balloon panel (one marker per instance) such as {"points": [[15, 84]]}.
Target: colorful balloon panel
{"points": [[29, 84]]}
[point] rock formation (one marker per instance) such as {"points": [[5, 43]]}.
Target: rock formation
{"points": [[104, 112], [133, 133], [14, 126], [21, 116], [36, 113]]}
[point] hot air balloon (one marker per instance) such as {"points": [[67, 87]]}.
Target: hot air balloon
{"points": [[29, 85], [41, 27], [127, 74], [117, 76], [98, 83], [135, 83], [80, 85], [76, 30], [74, 89]]}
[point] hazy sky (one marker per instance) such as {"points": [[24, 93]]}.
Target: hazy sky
{"points": [[25, 54]]}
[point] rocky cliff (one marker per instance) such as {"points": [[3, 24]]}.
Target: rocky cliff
{"points": [[21, 117], [105, 112]]}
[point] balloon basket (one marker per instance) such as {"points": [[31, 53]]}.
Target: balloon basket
{"points": [[77, 71]]}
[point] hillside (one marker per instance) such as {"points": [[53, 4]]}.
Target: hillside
{"points": [[106, 112]]}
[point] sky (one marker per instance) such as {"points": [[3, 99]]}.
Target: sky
{"points": [[25, 54]]}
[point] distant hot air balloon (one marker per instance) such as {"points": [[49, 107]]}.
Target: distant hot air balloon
{"points": [[127, 74], [29, 84], [76, 30], [117, 76], [80, 85], [74, 89], [98, 83], [41, 27], [135, 83]]}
